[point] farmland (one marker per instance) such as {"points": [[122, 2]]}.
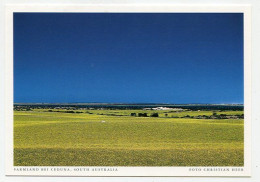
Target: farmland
{"points": [[117, 137]]}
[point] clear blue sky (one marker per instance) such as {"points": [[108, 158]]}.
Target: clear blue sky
{"points": [[131, 58]]}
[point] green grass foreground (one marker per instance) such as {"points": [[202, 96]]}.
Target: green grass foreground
{"points": [[81, 139]]}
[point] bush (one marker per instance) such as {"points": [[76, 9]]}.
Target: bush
{"points": [[154, 115], [69, 112], [133, 114], [142, 114]]}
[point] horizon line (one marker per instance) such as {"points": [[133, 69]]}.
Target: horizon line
{"points": [[130, 103]]}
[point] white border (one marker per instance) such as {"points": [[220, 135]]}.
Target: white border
{"points": [[127, 171]]}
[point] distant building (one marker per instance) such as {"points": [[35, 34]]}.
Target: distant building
{"points": [[167, 108]]}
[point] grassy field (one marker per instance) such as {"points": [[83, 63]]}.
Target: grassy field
{"points": [[83, 139]]}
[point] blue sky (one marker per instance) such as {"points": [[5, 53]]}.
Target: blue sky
{"points": [[132, 58]]}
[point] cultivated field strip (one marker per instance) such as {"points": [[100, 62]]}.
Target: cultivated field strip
{"points": [[82, 139]]}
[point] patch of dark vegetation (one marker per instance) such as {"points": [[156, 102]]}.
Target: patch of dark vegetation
{"points": [[114, 115], [26, 108], [142, 115], [216, 116], [68, 111], [154, 115], [133, 114], [187, 116], [64, 111]]}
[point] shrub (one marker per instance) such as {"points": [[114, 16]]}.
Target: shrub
{"points": [[142, 114], [154, 115], [69, 112], [133, 114]]}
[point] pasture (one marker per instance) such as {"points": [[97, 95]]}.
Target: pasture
{"points": [[114, 138]]}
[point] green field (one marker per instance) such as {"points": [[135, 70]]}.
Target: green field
{"points": [[114, 138]]}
